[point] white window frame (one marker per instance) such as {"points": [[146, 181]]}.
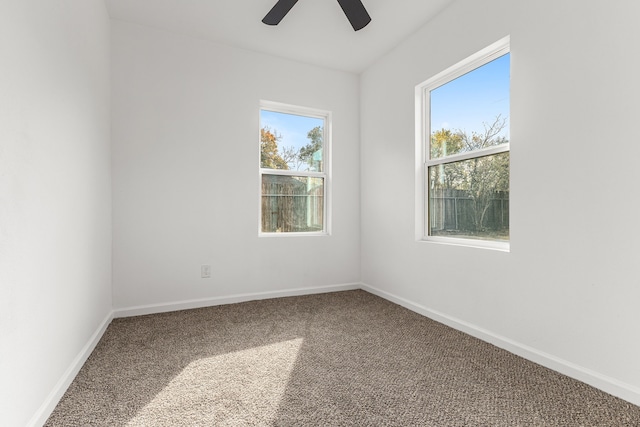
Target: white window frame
{"points": [[326, 167], [423, 137]]}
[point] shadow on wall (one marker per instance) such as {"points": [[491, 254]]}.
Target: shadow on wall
{"points": [[345, 358]]}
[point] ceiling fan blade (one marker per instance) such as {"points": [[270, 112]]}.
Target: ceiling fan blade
{"points": [[278, 12], [356, 13]]}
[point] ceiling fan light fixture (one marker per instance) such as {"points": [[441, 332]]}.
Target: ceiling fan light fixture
{"points": [[356, 13], [353, 9], [278, 11]]}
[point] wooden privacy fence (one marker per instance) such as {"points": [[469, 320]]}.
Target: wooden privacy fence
{"points": [[457, 210], [292, 204]]}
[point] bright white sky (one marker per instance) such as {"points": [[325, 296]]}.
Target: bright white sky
{"points": [[294, 129], [473, 99], [465, 103]]}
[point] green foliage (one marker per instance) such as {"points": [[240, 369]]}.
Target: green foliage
{"points": [[481, 177], [269, 156], [306, 154], [486, 176], [445, 143], [272, 156]]}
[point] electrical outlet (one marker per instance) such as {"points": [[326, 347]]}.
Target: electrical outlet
{"points": [[205, 271]]}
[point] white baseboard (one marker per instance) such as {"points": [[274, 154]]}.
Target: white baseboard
{"points": [[45, 410], [605, 383], [47, 407], [231, 299]]}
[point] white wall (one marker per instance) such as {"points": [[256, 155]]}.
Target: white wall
{"points": [[567, 294], [185, 159], [185, 119], [55, 196]]}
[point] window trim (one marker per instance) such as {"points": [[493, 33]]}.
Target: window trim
{"points": [[326, 116], [422, 146]]}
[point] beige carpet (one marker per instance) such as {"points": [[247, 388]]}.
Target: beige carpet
{"points": [[340, 359]]}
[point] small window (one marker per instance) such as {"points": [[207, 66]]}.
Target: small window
{"points": [[294, 165], [464, 143]]}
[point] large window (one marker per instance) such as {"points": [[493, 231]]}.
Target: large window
{"points": [[294, 170], [463, 144]]}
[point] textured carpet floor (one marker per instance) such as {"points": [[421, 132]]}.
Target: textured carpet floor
{"points": [[340, 359]]}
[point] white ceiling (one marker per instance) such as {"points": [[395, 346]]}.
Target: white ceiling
{"points": [[314, 31]]}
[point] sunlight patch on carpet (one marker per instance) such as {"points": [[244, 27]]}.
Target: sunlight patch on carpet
{"points": [[226, 389]]}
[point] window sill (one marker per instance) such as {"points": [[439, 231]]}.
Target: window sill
{"points": [[293, 234], [500, 246]]}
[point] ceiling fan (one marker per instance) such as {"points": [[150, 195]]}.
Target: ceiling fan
{"points": [[354, 9]]}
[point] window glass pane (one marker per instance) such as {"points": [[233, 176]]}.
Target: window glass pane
{"points": [[470, 199], [292, 203], [471, 112], [291, 142]]}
